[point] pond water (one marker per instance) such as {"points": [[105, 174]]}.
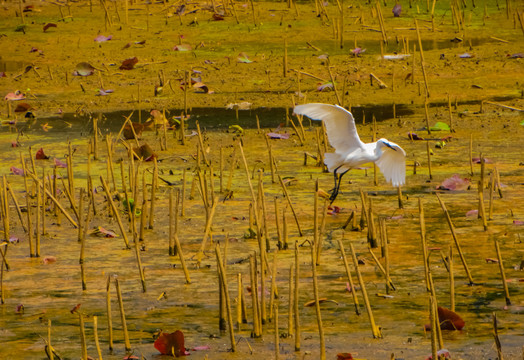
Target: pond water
{"points": [[50, 290]]}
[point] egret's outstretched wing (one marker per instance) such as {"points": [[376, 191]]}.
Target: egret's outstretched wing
{"points": [[392, 164], [340, 125]]}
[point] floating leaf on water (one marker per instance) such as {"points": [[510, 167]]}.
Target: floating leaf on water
{"points": [[240, 106], [49, 25], [49, 260], [357, 51], [385, 296], [440, 126], [103, 38], [472, 213], [492, 261], [236, 128], [440, 144], [203, 87], [396, 56], [75, 308], [320, 301], [242, 58], [100, 231], [102, 92], [449, 320], [325, 86], [2, 74], [217, 17], [83, 69], [344, 356], [129, 64], [516, 56], [46, 127], [40, 155], [16, 171], [397, 9], [333, 210], [466, 56], [22, 107], [21, 28], [13, 96], [145, 152], [441, 354], [129, 132], [59, 163], [171, 344], [515, 222], [455, 183], [273, 135], [182, 47], [201, 348]]}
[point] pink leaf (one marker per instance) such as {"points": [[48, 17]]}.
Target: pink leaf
{"points": [[59, 163], [472, 213], [201, 348], [273, 135], [17, 95], [16, 171], [102, 38], [455, 183]]}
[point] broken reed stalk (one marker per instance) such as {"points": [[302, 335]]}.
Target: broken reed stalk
{"points": [[422, 222], [231, 170], [496, 337], [450, 115], [137, 251], [502, 273], [290, 204], [384, 272], [471, 154], [254, 302], [178, 248], [143, 215], [295, 299], [109, 317], [83, 337], [280, 245], [57, 203], [50, 353], [428, 151], [315, 220], [17, 205], [115, 211], [399, 193], [350, 279], [422, 59], [434, 323], [270, 159], [70, 197], [482, 211], [171, 224], [451, 280], [239, 301], [372, 231], [81, 238], [284, 230], [154, 186], [277, 335], [28, 207], [290, 329], [317, 303], [386, 259], [38, 220], [375, 330], [225, 290], [207, 232], [273, 292], [364, 217], [262, 203], [426, 116], [455, 239], [97, 343], [127, 344]]}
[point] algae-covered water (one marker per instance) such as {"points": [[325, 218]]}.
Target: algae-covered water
{"points": [[479, 96]]}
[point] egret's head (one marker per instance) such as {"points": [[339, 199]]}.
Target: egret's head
{"points": [[384, 142]]}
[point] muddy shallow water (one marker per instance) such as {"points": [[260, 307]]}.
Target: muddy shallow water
{"points": [[38, 289], [50, 291]]}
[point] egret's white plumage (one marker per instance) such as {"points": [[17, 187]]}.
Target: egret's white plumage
{"points": [[350, 151]]}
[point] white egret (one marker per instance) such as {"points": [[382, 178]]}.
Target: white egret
{"points": [[350, 151]]}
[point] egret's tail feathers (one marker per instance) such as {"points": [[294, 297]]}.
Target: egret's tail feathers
{"points": [[333, 161]]}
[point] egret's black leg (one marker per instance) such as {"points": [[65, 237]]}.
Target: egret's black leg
{"points": [[335, 176], [338, 180]]}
